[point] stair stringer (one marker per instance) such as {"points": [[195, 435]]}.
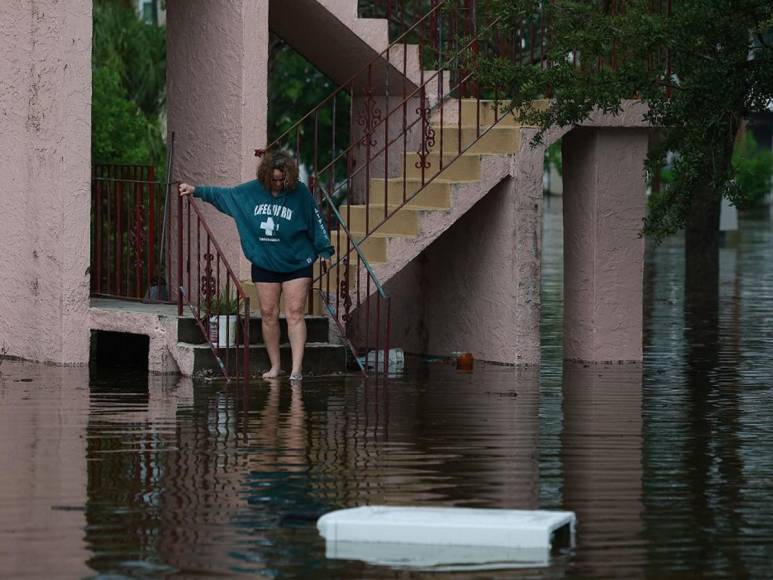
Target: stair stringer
{"points": [[432, 223], [518, 322], [344, 44]]}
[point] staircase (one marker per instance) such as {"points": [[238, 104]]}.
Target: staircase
{"points": [[421, 149], [423, 146], [431, 209]]}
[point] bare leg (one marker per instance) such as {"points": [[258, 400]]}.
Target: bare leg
{"points": [[295, 293], [268, 296]]}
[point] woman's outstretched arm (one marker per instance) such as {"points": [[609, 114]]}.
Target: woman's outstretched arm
{"points": [[220, 197]]}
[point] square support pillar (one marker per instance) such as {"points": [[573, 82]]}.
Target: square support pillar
{"points": [[604, 205], [45, 156], [217, 71]]}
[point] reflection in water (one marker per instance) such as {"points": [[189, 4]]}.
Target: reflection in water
{"points": [[715, 475], [42, 477], [601, 447], [669, 466], [232, 480], [707, 441], [130, 432]]}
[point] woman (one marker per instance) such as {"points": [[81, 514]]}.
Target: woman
{"points": [[282, 234]]}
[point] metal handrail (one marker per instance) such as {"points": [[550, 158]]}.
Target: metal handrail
{"points": [[209, 283], [127, 243], [378, 58], [405, 100]]}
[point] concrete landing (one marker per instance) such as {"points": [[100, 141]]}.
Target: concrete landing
{"points": [[176, 344], [157, 321]]}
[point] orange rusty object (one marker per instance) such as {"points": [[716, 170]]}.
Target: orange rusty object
{"points": [[464, 362]]}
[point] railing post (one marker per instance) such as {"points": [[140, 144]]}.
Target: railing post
{"points": [[118, 236], [179, 255], [246, 341], [139, 230], [97, 187], [151, 277]]}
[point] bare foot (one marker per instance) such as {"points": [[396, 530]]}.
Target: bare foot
{"points": [[296, 376], [272, 373]]}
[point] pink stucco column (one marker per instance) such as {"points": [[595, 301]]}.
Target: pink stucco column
{"points": [[45, 137], [217, 63], [604, 204]]}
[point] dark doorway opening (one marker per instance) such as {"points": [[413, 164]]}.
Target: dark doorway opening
{"points": [[119, 352]]}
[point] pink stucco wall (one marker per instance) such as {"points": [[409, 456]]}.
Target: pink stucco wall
{"points": [[45, 136], [217, 65], [473, 279], [341, 44], [604, 205]]}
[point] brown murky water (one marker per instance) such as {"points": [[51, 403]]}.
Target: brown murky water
{"points": [[668, 465]]}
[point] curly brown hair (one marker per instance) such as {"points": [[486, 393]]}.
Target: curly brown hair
{"points": [[282, 161]]}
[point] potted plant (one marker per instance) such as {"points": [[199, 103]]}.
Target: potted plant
{"points": [[223, 317]]}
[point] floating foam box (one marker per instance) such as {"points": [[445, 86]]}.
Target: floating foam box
{"points": [[430, 537]]}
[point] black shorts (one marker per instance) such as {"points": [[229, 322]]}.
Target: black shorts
{"points": [[261, 275]]}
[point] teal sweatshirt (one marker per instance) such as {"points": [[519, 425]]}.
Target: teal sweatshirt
{"points": [[281, 234]]}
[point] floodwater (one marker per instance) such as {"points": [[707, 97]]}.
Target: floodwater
{"points": [[668, 465]]}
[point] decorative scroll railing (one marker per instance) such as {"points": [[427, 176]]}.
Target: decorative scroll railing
{"points": [[144, 249], [211, 290]]}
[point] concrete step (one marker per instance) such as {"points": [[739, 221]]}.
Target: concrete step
{"points": [[373, 248], [317, 328], [464, 168], [435, 195], [489, 110], [499, 140], [320, 358], [403, 223]]}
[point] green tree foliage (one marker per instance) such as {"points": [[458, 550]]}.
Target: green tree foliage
{"points": [[701, 69], [128, 79], [295, 88], [753, 166], [553, 157], [120, 132]]}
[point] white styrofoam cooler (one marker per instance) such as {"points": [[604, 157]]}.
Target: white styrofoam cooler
{"points": [[523, 529], [438, 558]]}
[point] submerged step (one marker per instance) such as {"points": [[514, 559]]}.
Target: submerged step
{"points": [[318, 359], [518, 529]]}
